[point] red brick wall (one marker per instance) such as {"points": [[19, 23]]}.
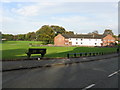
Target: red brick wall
{"points": [[59, 40], [108, 39]]}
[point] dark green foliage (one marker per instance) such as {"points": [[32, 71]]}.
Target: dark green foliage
{"points": [[119, 35], [94, 32], [8, 37], [69, 32], [46, 34], [58, 29], [108, 31], [20, 37], [31, 36]]}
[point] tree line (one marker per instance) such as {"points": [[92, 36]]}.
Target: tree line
{"points": [[46, 33]]}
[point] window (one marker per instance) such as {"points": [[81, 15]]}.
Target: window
{"points": [[81, 39], [95, 43], [76, 42], [66, 43], [70, 38], [81, 42], [109, 40], [76, 39], [112, 40]]}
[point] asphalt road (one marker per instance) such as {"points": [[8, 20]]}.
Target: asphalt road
{"points": [[94, 74]]}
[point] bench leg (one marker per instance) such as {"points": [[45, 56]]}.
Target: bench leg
{"points": [[42, 55], [67, 55], [28, 55]]}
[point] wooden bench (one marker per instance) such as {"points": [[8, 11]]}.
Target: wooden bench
{"points": [[41, 51]]}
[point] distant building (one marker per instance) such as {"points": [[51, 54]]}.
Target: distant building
{"points": [[83, 40], [3, 39]]}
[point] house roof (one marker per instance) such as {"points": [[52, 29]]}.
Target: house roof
{"points": [[92, 36]]}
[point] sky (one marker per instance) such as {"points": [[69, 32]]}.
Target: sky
{"points": [[21, 17]]}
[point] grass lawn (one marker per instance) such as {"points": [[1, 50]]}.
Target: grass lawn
{"points": [[17, 49]]}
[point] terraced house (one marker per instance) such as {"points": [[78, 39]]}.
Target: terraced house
{"points": [[84, 40]]}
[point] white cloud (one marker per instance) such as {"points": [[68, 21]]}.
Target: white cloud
{"points": [[59, 1], [44, 8], [70, 19], [27, 10], [72, 16], [6, 1], [115, 5], [35, 9], [1, 12], [84, 24], [7, 19]]}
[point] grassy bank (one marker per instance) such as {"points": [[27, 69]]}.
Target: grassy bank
{"points": [[17, 49]]}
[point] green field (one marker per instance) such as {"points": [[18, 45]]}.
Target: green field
{"points": [[17, 49]]}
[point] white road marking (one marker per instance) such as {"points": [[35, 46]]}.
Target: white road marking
{"points": [[113, 73], [90, 86]]}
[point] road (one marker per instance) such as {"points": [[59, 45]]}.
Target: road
{"points": [[95, 74]]}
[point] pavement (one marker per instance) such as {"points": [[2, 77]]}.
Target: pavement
{"points": [[29, 64], [101, 74]]}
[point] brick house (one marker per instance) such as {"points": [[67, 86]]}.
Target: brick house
{"points": [[108, 40], [83, 40], [59, 40]]}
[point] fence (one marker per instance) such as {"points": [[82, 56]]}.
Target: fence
{"points": [[87, 54]]}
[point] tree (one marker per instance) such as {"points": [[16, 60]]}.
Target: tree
{"points": [[46, 34], [69, 32], [95, 32], [118, 35], [15, 37], [21, 37], [8, 37], [30, 36], [58, 29], [108, 31]]}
